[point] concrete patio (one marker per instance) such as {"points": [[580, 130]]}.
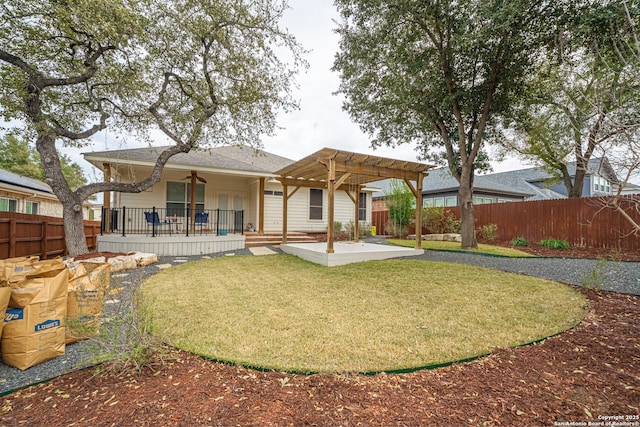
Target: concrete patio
{"points": [[347, 252]]}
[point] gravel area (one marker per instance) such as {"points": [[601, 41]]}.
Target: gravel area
{"points": [[623, 277]]}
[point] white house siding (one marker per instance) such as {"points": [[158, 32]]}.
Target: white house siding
{"points": [[298, 210]]}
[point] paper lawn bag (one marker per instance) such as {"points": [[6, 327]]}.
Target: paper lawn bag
{"points": [[9, 265], [34, 327], [5, 294], [88, 285]]}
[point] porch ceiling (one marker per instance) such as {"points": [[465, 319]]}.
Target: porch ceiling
{"points": [[354, 168]]}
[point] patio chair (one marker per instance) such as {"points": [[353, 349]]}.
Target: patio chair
{"points": [[153, 220], [202, 219]]}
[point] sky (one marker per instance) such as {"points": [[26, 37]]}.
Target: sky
{"points": [[320, 122]]}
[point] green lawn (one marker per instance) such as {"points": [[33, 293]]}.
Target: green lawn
{"points": [[280, 312], [454, 246]]}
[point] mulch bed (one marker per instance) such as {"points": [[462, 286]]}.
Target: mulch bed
{"points": [[575, 252], [580, 375]]}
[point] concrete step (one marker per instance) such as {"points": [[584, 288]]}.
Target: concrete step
{"points": [[253, 239]]}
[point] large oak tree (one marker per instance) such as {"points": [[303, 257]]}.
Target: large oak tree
{"points": [[584, 97], [440, 74], [201, 71]]}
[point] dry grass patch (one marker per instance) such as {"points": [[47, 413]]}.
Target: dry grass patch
{"points": [[281, 312]]}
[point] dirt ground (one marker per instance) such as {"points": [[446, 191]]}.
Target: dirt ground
{"points": [[588, 374]]}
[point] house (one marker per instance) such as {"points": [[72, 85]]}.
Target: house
{"points": [[27, 195], [441, 189], [227, 191]]}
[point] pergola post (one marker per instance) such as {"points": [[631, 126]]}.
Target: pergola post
{"points": [[331, 186], [106, 199], [417, 192], [356, 225], [261, 207], [419, 210], [285, 204]]}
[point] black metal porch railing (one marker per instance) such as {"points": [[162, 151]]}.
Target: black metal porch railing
{"points": [[160, 221]]}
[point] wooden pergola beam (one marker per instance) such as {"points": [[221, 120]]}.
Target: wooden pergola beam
{"points": [[342, 170]]}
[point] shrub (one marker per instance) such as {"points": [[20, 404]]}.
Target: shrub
{"points": [[395, 230], [438, 221], [555, 244], [337, 226], [597, 277], [400, 203], [519, 241], [488, 232], [125, 344], [364, 230]]}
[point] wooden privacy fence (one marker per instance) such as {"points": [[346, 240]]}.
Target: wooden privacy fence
{"points": [[583, 222], [29, 235]]}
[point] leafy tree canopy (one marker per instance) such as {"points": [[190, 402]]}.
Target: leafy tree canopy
{"points": [[583, 97], [441, 74], [202, 71], [18, 156]]}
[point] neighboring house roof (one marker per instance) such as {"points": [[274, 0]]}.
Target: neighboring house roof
{"points": [[440, 181], [521, 180], [630, 188], [23, 182], [517, 183], [234, 157]]}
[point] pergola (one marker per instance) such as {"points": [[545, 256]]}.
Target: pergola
{"points": [[343, 170]]}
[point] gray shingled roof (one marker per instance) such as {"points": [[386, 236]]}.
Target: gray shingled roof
{"points": [[514, 183], [440, 180], [24, 182], [235, 157]]}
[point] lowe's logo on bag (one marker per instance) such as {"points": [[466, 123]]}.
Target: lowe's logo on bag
{"points": [[49, 324], [13, 314]]}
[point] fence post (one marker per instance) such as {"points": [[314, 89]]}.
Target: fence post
{"points": [[45, 238], [12, 237]]}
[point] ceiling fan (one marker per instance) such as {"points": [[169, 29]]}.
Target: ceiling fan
{"points": [[194, 176]]}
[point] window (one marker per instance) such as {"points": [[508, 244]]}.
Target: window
{"points": [[272, 193], [31, 208], [8, 205], [179, 198], [482, 200], [601, 185], [451, 201], [427, 203], [362, 207], [315, 203], [438, 202]]}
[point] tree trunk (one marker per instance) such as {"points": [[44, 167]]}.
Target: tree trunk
{"points": [[578, 179], [71, 203], [467, 217], [74, 229]]}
